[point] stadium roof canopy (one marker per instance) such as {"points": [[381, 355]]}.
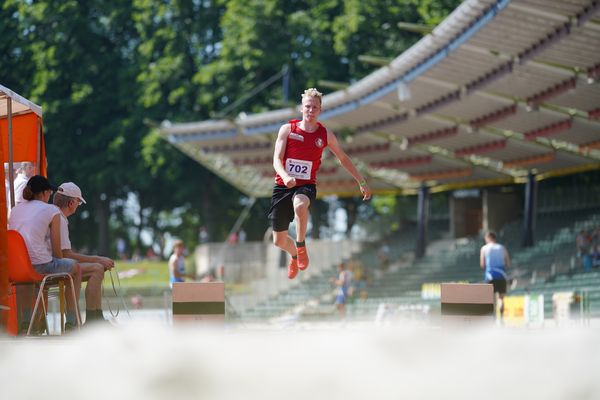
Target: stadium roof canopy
{"points": [[500, 88]]}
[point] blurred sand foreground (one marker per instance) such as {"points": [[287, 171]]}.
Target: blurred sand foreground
{"points": [[145, 361]]}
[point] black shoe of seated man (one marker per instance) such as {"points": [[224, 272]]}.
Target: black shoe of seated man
{"points": [[69, 327], [95, 317]]}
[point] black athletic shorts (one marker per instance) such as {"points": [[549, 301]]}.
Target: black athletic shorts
{"points": [[281, 212], [499, 285]]}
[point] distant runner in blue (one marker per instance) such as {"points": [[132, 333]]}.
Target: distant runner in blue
{"points": [[494, 260]]}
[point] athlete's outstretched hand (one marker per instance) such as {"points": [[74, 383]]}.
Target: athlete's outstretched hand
{"points": [[289, 181], [366, 191]]}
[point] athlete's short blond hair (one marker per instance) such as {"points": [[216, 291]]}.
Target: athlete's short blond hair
{"points": [[312, 92]]}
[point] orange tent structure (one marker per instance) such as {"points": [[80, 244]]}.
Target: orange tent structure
{"points": [[21, 139]]}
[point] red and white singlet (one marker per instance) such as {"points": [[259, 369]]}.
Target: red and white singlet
{"points": [[303, 151]]}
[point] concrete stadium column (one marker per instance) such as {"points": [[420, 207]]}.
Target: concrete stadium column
{"points": [[422, 214], [530, 209]]}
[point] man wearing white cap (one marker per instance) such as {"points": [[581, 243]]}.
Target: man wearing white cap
{"points": [[67, 198]]}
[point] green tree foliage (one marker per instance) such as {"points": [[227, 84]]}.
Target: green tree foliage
{"points": [[82, 78], [432, 12], [108, 72], [16, 69], [176, 40], [369, 27]]}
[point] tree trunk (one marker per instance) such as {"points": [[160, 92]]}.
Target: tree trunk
{"points": [[140, 226], [318, 214], [351, 214], [102, 215], [207, 214], [315, 219], [160, 241]]}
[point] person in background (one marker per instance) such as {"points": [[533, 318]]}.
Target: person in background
{"points": [[137, 301], [68, 198], [209, 277], [359, 278], [494, 259], [233, 238], [583, 243], [203, 235], [39, 224], [177, 264], [384, 256], [343, 283], [25, 171], [121, 249], [241, 236]]}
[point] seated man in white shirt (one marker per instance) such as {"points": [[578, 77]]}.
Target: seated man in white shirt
{"points": [[67, 198]]}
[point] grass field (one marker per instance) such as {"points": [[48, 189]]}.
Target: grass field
{"points": [[151, 277], [143, 273], [143, 277]]}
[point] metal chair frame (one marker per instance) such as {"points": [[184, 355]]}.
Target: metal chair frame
{"points": [[40, 298], [28, 274]]}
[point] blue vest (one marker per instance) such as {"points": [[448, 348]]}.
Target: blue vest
{"points": [[494, 261]]}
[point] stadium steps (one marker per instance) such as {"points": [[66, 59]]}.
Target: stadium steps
{"points": [[555, 236]]}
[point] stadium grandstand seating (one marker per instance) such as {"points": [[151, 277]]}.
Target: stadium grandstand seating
{"points": [[308, 294], [549, 266]]}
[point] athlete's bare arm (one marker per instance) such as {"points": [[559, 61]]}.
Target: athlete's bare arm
{"points": [[279, 153], [341, 155], [482, 258]]}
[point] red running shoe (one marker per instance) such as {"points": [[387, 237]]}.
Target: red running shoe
{"points": [[302, 258], [292, 268]]}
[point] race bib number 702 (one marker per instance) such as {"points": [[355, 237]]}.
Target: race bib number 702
{"points": [[300, 169]]}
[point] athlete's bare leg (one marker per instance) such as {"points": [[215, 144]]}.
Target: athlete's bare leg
{"points": [[301, 204], [284, 242]]}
